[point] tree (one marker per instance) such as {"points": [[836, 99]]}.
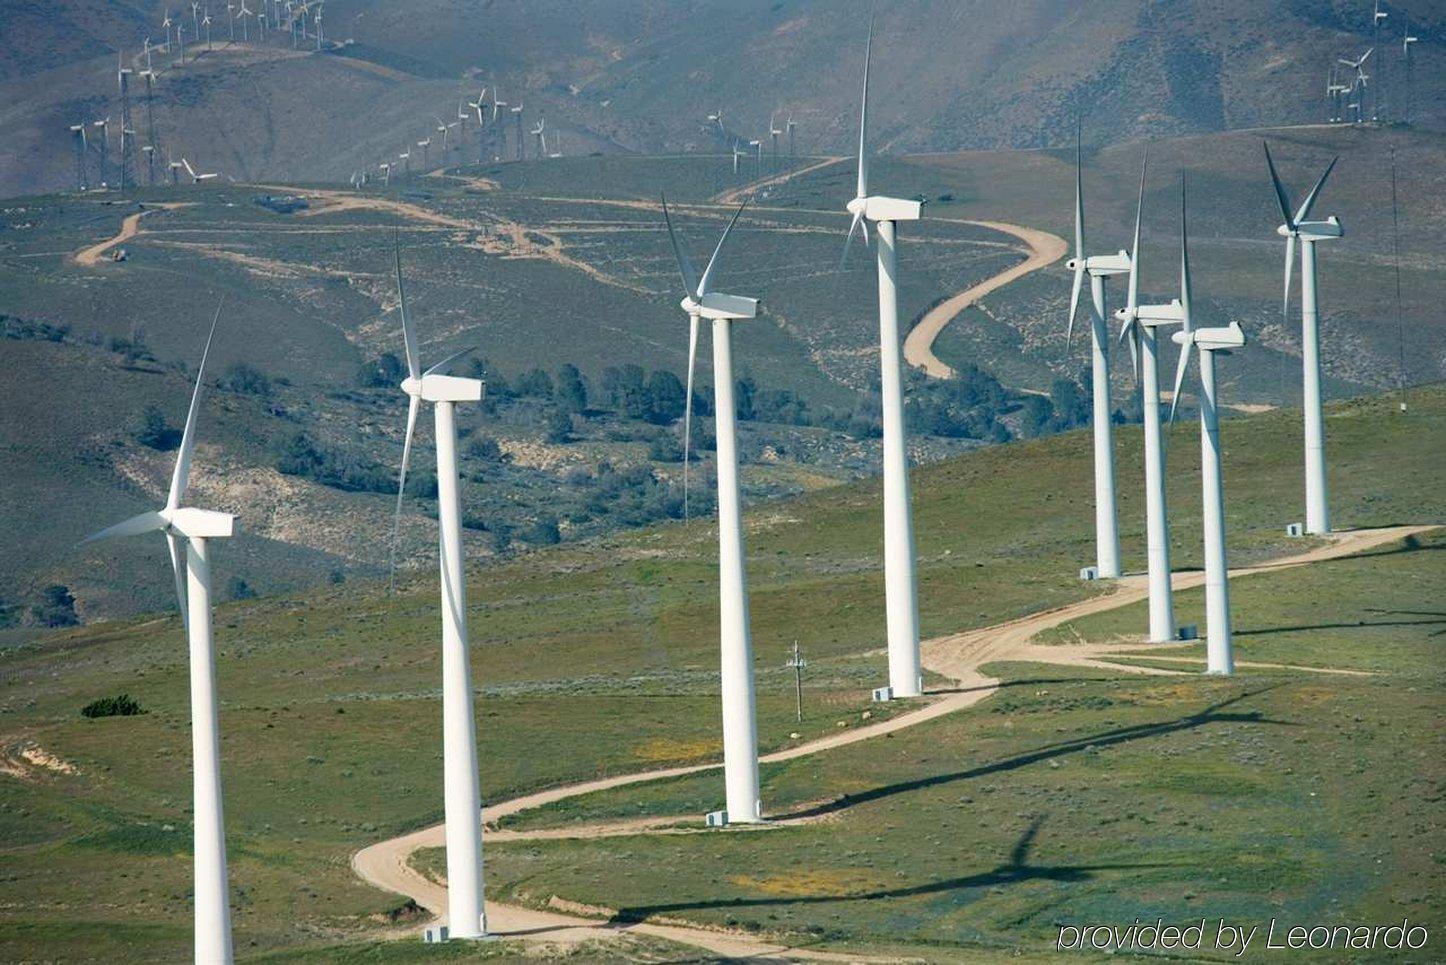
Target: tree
{"points": [[571, 391], [665, 398], [664, 448], [557, 426], [154, 432], [544, 532], [385, 370], [745, 390], [536, 383], [625, 390], [246, 380], [239, 589], [56, 607], [484, 448]]}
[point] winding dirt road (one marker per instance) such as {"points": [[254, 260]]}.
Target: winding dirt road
{"points": [[387, 864], [130, 227], [1043, 249]]}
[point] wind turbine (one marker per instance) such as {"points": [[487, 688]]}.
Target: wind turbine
{"points": [[1139, 324], [757, 146], [1360, 81], [1376, 18], [791, 125], [386, 170], [1209, 342], [539, 133], [481, 126], [461, 791], [196, 178], [443, 128], [517, 124], [425, 144], [206, 22], [231, 20], [82, 181], [104, 125], [1099, 268], [123, 82], [1317, 495], [166, 22], [406, 158], [1407, 43], [243, 13], [187, 531], [774, 132], [174, 168], [900, 590], [738, 155], [149, 150], [740, 726]]}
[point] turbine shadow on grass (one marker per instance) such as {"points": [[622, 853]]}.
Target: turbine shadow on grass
{"points": [[1033, 682], [1014, 870], [1440, 619], [1122, 735]]}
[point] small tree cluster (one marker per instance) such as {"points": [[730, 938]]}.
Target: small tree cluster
{"points": [[121, 705]]}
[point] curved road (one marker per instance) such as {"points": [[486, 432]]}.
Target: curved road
{"points": [[387, 864], [1044, 249]]}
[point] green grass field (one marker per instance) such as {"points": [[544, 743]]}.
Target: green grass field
{"points": [[600, 658]]}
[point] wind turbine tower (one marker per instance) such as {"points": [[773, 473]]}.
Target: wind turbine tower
{"points": [[123, 80], [461, 791], [740, 727], [1377, 18], [1140, 325], [80, 149], [1310, 233], [1099, 268], [900, 588], [188, 532], [517, 126], [149, 76], [1408, 42], [774, 133], [104, 125], [791, 126], [1209, 342]]}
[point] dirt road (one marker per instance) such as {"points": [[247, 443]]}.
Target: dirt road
{"points": [[130, 227], [387, 864], [1043, 249]]}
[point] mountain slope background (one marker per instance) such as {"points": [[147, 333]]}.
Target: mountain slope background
{"points": [[642, 75]]}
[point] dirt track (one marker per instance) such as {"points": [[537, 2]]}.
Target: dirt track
{"points": [[1044, 249], [957, 656], [130, 227]]}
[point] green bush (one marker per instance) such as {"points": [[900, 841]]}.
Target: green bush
{"points": [[122, 705]]}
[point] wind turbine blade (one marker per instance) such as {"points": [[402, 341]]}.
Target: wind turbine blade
{"points": [[1280, 193], [412, 406], [1135, 351], [1309, 201], [182, 471], [708, 272], [688, 406], [1133, 300], [1079, 274], [862, 189], [414, 365], [1289, 264], [1180, 368], [442, 367], [141, 523], [178, 570], [854, 226], [1079, 250], [685, 266]]}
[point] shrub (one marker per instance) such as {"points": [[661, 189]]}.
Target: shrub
{"points": [[557, 426], [122, 705], [56, 607], [239, 589], [535, 383], [154, 432], [245, 379], [665, 448], [544, 532], [485, 448], [571, 390], [384, 370]]}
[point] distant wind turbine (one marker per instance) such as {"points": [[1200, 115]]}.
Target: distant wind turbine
{"points": [[1317, 495]]}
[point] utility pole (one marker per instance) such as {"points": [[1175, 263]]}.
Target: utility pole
{"points": [[797, 663]]}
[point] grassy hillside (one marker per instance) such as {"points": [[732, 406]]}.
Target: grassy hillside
{"points": [[604, 654]]}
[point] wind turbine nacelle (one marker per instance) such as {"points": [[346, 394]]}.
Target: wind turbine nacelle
{"points": [[717, 305], [1213, 339], [1325, 230], [444, 388], [1153, 316], [878, 208], [1116, 264], [200, 523]]}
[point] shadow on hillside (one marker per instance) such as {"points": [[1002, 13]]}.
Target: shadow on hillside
{"points": [[1032, 682], [1122, 735], [1014, 870], [1435, 618]]}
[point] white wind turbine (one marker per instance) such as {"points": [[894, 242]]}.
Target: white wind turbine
{"points": [[187, 531], [444, 129], [1209, 342], [386, 170], [738, 155], [1408, 42], [1138, 325], [195, 177], [740, 727], [1359, 82], [1099, 268], [539, 132], [791, 125], [900, 589], [774, 132], [461, 791], [425, 144], [1317, 495]]}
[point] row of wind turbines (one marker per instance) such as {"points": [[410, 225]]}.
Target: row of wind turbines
{"points": [[189, 530], [741, 147], [450, 133]]}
